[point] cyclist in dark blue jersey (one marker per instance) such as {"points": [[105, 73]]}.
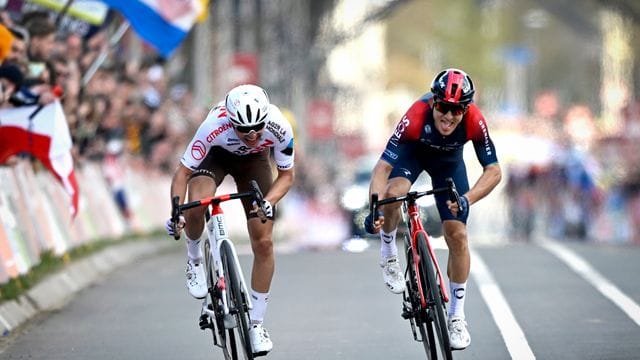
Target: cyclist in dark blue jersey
{"points": [[430, 137]]}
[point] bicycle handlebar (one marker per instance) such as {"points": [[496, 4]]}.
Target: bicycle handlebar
{"points": [[414, 195], [177, 209]]}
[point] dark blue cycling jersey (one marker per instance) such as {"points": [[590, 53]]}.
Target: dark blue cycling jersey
{"points": [[417, 145]]}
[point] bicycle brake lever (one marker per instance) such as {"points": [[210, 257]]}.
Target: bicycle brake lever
{"points": [[175, 216], [259, 198], [373, 206], [453, 192]]}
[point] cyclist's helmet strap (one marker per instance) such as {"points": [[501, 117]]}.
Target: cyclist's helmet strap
{"points": [[453, 86]]}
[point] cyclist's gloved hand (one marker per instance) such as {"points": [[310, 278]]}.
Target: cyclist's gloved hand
{"points": [[369, 225], [463, 207], [170, 226], [266, 205]]}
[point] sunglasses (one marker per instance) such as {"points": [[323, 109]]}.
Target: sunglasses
{"points": [[446, 107], [248, 129]]}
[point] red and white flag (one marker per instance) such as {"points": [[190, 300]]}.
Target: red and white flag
{"points": [[45, 136]]}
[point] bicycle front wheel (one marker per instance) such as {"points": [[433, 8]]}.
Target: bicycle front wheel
{"points": [[236, 301], [417, 315], [431, 291]]}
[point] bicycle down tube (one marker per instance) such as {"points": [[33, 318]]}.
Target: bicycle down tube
{"points": [[217, 229]]}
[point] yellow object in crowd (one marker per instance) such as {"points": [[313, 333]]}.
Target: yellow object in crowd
{"points": [[6, 39]]}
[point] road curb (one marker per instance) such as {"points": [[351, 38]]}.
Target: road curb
{"points": [[58, 289]]}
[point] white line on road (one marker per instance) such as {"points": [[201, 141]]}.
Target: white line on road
{"points": [[606, 287], [512, 334]]}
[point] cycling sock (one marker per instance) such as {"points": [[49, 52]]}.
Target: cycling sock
{"points": [[193, 250], [259, 301], [388, 246], [458, 294]]}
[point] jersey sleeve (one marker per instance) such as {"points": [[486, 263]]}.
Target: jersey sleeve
{"points": [[283, 150], [198, 148], [408, 129], [478, 133]]}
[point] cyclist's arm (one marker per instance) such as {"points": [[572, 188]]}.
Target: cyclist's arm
{"points": [[179, 182], [379, 177], [491, 176], [280, 186], [487, 157]]}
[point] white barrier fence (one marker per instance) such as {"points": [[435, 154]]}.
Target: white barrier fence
{"points": [[35, 217]]}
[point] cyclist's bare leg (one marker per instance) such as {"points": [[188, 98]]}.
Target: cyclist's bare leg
{"points": [[458, 265], [459, 262], [395, 187], [199, 187], [263, 258]]}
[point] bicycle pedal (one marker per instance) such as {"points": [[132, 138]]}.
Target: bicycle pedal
{"points": [[407, 311], [406, 315], [204, 322]]}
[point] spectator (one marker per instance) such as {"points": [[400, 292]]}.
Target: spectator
{"points": [[6, 41], [10, 80], [18, 52]]}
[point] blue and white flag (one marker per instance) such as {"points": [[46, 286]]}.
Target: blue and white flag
{"points": [[161, 23]]}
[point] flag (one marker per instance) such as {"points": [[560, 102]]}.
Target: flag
{"points": [[161, 23], [45, 136]]}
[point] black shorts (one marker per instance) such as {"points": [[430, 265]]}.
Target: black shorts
{"points": [[411, 162], [243, 169]]}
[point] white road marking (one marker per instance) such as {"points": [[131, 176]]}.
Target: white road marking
{"points": [[606, 287], [512, 334]]}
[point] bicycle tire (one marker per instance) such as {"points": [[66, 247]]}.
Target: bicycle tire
{"points": [[431, 290], [226, 338], [237, 303], [420, 317]]}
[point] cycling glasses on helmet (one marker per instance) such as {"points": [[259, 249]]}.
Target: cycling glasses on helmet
{"points": [[248, 129], [443, 107]]}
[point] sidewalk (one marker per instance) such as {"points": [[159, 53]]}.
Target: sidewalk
{"points": [[58, 289]]}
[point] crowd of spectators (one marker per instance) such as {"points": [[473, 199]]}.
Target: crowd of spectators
{"points": [[125, 111], [584, 182]]}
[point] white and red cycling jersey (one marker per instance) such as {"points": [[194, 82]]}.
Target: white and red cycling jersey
{"points": [[217, 130]]}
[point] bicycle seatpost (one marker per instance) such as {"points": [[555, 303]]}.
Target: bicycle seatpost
{"points": [[175, 215]]}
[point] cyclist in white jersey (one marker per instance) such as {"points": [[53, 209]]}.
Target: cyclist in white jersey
{"points": [[236, 139]]}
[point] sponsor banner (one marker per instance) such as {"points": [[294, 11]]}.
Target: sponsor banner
{"points": [[92, 11]]}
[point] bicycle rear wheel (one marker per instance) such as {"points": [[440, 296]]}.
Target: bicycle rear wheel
{"points": [[226, 338], [416, 314], [236, 301], [431, 290]]}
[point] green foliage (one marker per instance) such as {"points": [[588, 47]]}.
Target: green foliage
{"points": [[50, 263]]}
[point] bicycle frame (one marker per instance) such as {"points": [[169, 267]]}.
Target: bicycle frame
{"points": [[415, 227], [217, 234], [423, 301]]}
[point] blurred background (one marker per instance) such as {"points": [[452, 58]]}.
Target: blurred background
{"points": [[556, 80]]}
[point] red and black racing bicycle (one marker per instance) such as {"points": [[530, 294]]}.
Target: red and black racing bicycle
{"points": [[425, 297]]}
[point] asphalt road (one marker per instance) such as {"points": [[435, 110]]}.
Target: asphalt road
{"points": [[524, 301]]}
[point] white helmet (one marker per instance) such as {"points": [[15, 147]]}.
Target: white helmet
{"points": [[247, 105]]}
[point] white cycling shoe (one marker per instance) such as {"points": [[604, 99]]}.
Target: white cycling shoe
{"points": [[392, 275], [196, 279], [260, 341], [459, 337]]}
